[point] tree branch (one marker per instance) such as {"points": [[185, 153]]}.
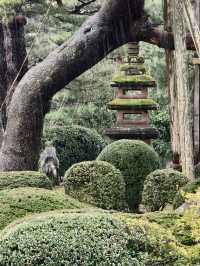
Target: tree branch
{"points": [[107, 30], [163, 39]]}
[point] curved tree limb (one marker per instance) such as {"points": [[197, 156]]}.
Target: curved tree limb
{"points": [[108, 29]]}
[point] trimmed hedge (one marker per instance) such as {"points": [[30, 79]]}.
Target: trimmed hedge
{"points": [[71, 239], [17, 203], [24, 179], [160, 188], [98, 183], [135, 159], [74, 144], [95, 238]]}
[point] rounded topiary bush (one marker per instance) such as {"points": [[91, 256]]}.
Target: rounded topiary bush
{"points": [[24, 179], [70, 239], [74, 144], [98, 183], [135, 159], [160, 188], [18, 202]]}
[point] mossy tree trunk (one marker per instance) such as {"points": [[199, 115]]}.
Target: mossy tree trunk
{"points": [[116, 23], [183, 91], [107, 30]]}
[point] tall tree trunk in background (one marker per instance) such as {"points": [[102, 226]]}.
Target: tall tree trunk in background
{"points": [[172, 86], [183, 91], [12, 55], [196, 4]]}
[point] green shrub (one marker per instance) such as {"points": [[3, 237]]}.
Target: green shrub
{"points": [[181, 194], [160, 188], [74, 144], [16, 203], [70, 239], [135, 159], [96, 238], [24, 179], [98, 183], [152, 244]]}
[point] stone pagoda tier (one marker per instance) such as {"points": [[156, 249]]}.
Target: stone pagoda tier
{"points": [[132, 103]]}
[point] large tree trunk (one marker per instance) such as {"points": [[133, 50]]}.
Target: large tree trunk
{"points": [[12, 55], [172, 87], [99, 35], [197, 97], [183, 91]]}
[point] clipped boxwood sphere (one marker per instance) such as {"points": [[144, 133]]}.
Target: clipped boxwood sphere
{"points": [[70, 239], [135, 159], [98, 183], [160, 188], [74, 144], [18, 202], [24, 179]]}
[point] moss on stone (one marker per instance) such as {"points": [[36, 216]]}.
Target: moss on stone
{"points": [[139, 67], [133, 102], [121, 77]]}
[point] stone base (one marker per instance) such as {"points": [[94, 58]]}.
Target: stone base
{"points": [[145, 134]]}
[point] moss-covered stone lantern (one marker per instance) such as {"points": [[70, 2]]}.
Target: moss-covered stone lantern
{"points": [[132, 103]]}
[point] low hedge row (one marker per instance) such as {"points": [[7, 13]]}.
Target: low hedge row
{"points": [[19, 202], [24, 179]]}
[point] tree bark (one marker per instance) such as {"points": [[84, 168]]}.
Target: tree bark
{"points": [[172, 86], [12, 54], [98, 36], [183, 91], [197, 97]]}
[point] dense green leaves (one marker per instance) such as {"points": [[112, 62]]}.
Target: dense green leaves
{"points": [[24, 179], [160, 188], [19, 202], [98, 183], [74, 144], [135, 159], [71, 239]]}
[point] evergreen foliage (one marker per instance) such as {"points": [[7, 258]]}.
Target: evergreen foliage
{"points": [[160, 188], [181, 195], [71, 239], [19, 202], [24, 179], [98, 183], [98, 238], [135, 159], [74, 144]]}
